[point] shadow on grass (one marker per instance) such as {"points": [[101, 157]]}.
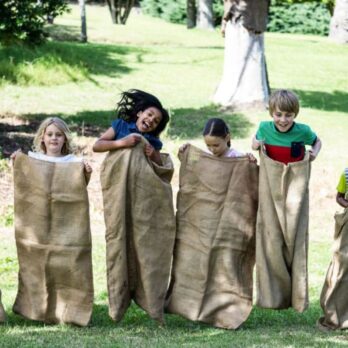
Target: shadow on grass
{"points": [[335, 101], [70, 61], [64, 32], [189, 123]]}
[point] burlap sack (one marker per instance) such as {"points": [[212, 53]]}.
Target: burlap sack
{"points": [[140, 230], [214, 252], [2, 312], [53, 242], [282, 234], [334, 296]]}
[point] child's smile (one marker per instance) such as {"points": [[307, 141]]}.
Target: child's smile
{"points": [[283, 120], [148, 120]]}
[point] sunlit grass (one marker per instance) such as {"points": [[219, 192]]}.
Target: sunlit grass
{"points": [[81, 83]]}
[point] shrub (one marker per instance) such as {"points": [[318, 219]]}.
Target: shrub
{"points": [[24, 20], [304, 18]]}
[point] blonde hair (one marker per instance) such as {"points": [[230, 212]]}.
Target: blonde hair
{"points": [[38, 144], [284, 100]]}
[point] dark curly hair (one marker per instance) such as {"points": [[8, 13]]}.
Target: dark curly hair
{"points": [[135, 100], [217, 127]]}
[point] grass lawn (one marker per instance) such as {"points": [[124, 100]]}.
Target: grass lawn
{"points": [[182, 67]]}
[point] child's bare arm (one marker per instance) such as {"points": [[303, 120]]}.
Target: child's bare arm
{"points": [[340, 199], [153, 154], [255, 145], [88, 171], [313, 152], [106, 142]]}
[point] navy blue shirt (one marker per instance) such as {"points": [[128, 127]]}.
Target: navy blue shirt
{"points": [[123, 128]]}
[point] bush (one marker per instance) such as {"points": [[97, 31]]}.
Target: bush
{"points": [[304, 18], [172, 11], [24, 20], [290, 16]]}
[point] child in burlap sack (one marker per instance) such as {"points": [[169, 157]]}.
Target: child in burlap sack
{"points": [[283, 212], [52, 229], [333, 299]]}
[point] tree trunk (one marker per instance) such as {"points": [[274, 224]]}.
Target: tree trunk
{"points": [[205, 14], [120, 10], [339, 22], [244, 82], [191, 13], [83, 21]]}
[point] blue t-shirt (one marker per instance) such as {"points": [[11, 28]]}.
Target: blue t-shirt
{"points": [[123, 128]]}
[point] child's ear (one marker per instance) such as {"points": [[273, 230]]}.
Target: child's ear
{"points": [[139, 113], [228, 137]]}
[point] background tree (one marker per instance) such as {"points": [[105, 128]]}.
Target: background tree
{"points": [[244, 81], [191, 14], [339, 22], [120, 10], [82, 5], [24, 20], [205, 14]]}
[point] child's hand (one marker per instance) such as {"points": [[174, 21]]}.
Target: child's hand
{"points": [[182, 148], [87, 166], [152, 154], [312, 156], [149, 151], [131, 140], [251, 157], [14, 154]]}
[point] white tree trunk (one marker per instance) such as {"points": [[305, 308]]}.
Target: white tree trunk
{"points": [[244, 80], [339, 22], [205, 14], [83, 20]]}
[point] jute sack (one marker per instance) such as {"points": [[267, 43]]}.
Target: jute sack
{"points": [[282, 234], [53, 242], [140, 230], [334, 299], [2, 312], [214, 253]]}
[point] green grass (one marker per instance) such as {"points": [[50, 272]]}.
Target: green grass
{"points": [[182, 67]]}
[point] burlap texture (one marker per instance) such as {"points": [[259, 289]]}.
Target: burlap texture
{"points": [[2, 312], [53, 240], [334, 296], [282, 234], [214, 252], [140, 230]]}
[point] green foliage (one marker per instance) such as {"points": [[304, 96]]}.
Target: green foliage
{"points": [[172, 11], [24, 20], [289, 16], [330, 4], [305, 18], [175, 11], [6, 218]]}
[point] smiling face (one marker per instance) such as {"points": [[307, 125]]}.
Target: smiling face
{"points": [[283, 120], [217, 145], [53, 139], [148, 120]]}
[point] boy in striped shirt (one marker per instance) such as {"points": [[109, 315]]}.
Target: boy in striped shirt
{"points": [[283, 138]]}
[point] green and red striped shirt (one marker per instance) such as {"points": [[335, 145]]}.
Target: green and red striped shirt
{"points": [[287, 146]]}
